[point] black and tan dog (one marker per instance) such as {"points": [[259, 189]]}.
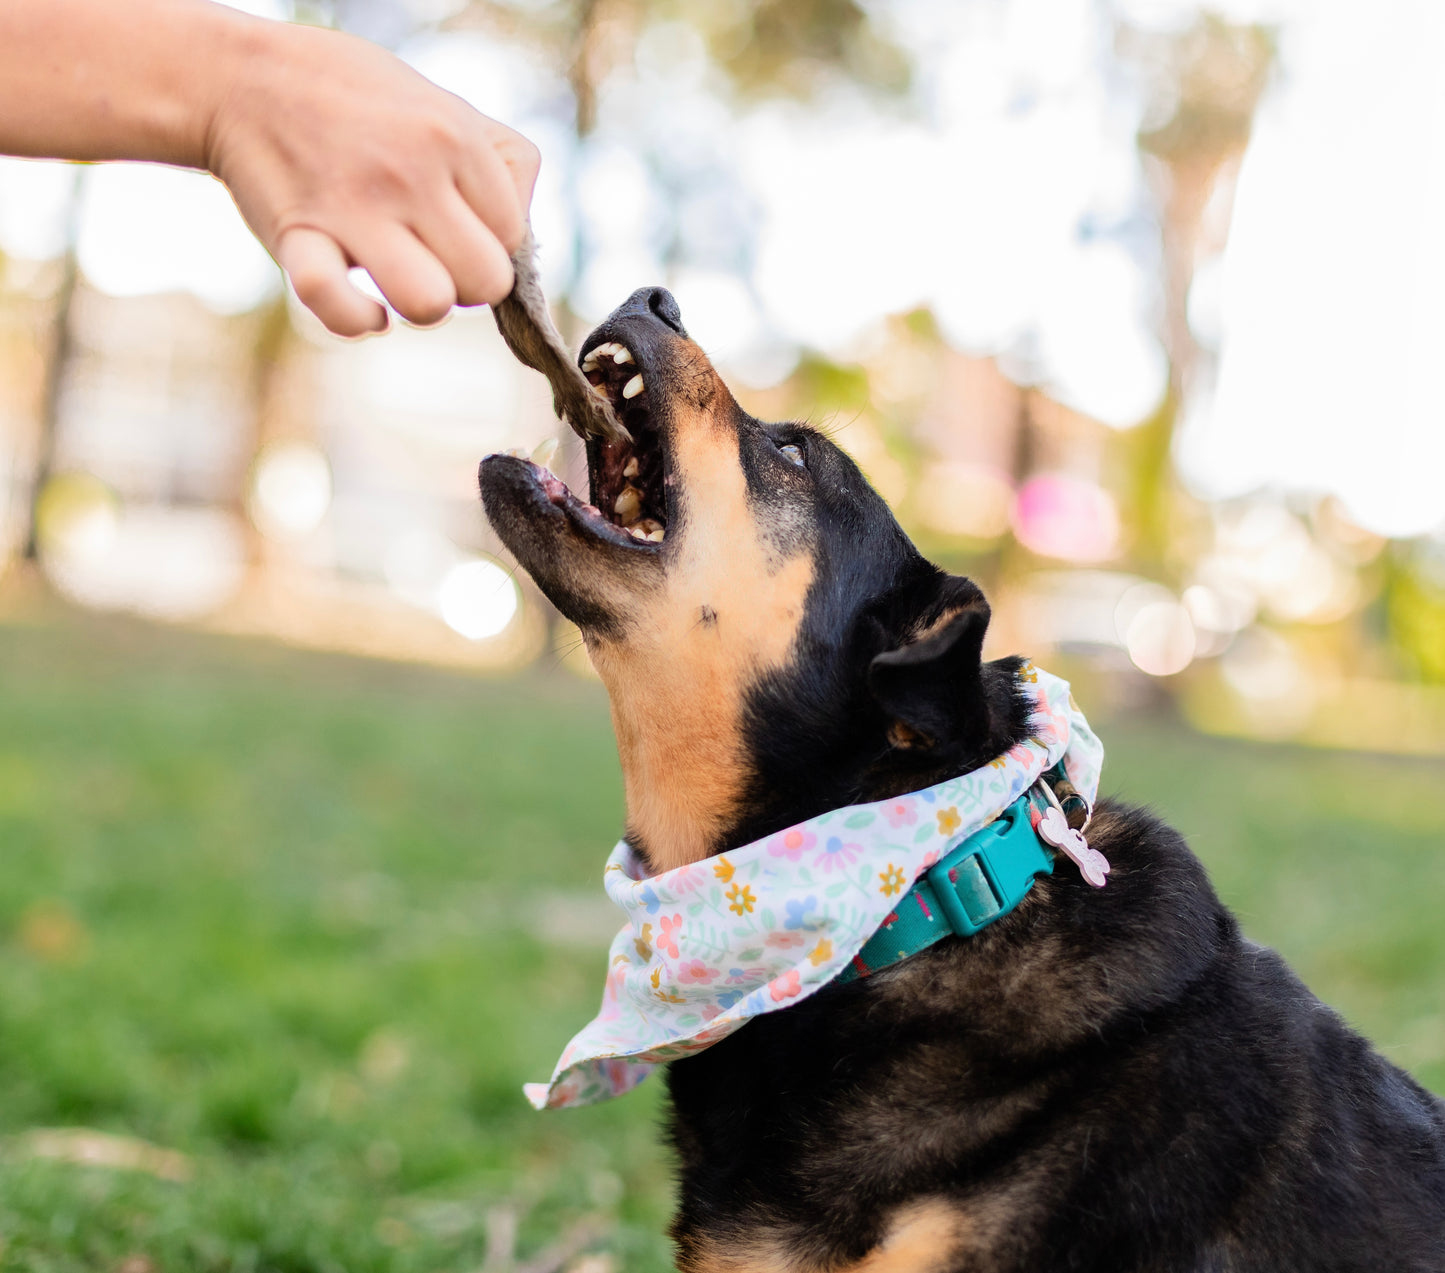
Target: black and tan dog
{"points": [[1104, 1080]]}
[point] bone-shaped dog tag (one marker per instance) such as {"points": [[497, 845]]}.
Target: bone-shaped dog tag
{"points": [[1092, 864]]}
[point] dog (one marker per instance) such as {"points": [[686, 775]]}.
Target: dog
{"points": [[1112, 1080]]}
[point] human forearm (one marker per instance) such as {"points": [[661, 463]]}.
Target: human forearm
{"points": [[96, 79], [336, 152]]}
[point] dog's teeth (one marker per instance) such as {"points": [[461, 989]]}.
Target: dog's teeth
{"points": [[629, 503], [633, 387], [589, 363], [630, 468], [517, 452], [545, 450], [622, 355], [601, 351], [600, 390], [637, 533], [656, 536]]}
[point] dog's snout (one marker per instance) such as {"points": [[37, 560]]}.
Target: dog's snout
{"points": [[656, 302], [662, 303]]}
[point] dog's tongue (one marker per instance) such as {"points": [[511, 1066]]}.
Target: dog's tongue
{"points": [[526, 326]]}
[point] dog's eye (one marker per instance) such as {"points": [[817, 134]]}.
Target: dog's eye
{"points": [[793, 453]]}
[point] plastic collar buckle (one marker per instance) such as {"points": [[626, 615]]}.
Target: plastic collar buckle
{"points": [[971, 891]]}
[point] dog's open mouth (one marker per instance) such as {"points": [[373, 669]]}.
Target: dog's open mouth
{"points": [[628, 479], [632, 505]]}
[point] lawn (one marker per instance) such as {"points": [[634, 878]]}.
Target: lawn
{"points": [[291, 931]]}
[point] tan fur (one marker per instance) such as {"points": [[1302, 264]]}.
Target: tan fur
{"points": [[729, 611], [923, 1238], [905, 736]]}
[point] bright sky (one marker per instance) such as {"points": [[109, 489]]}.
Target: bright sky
{"points": [[1332, 349], [1012, 205]]}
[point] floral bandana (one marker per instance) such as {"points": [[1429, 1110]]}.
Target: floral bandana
{"points": [[761, 927]]}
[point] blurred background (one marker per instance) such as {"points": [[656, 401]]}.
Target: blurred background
{"points": [[1131, 308]]}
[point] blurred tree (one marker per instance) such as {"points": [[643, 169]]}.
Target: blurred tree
{"points": [[1201, 88], [764, 48], [57, 363], [1415, 606]]}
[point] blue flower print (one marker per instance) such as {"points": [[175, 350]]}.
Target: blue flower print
{"points": [[798, 910], [650, 899]]}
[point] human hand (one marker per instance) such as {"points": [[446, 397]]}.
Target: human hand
{"points": [[339, 154]]}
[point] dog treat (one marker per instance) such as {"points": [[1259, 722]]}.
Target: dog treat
{"points": [[526, 326]]}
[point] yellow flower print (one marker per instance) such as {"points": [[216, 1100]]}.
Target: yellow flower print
{"points": [[656, 977], [1029, 673], [821, 953], [723, 869], [892, 880], [644, 943], [949, 820], [740, 898]]}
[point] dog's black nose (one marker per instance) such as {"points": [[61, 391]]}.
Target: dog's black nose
{"points": [[658, 302]]}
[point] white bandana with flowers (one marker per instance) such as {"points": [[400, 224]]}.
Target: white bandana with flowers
{"points": [[761, 927]]}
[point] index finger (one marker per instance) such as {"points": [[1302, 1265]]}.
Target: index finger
{"points": [[497, 181]]}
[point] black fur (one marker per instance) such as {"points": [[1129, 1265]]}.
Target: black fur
{"points": [[1118, 1072], [1105, 1081]]}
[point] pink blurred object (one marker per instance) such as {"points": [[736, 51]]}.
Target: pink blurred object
{"points": [[1056, 515]]}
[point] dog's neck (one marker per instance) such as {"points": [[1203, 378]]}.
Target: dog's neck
{"points": [[691, 794]]}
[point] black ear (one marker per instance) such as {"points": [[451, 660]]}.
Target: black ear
{"points": [[934, 687]]}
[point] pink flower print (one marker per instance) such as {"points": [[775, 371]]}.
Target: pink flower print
{"points": [[690, 877], [667, 941], [709, 1011], [837, 855], [792, 844], [900, 813], [785, 940], [695, 972], [785, 986]]}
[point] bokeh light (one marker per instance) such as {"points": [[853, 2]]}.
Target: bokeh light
{"points": [[290, 489], [477, 599], [1059, 515]]}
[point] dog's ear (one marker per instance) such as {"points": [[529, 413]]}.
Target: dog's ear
{"points": [[933, 686]]}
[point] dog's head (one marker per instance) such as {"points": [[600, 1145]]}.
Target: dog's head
{"points": [[772, 642]]}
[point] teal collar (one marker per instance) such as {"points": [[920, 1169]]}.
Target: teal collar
{"points": [[971, 887]]}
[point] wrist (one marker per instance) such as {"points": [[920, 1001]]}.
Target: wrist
{"points": [[237, 49]]}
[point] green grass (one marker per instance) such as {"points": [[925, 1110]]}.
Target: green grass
{"points": [[296, 918]]}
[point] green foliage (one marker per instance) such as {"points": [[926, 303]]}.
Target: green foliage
{"points": [[289, 916], [1415, 607], [832, 387], [786, 47]]}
